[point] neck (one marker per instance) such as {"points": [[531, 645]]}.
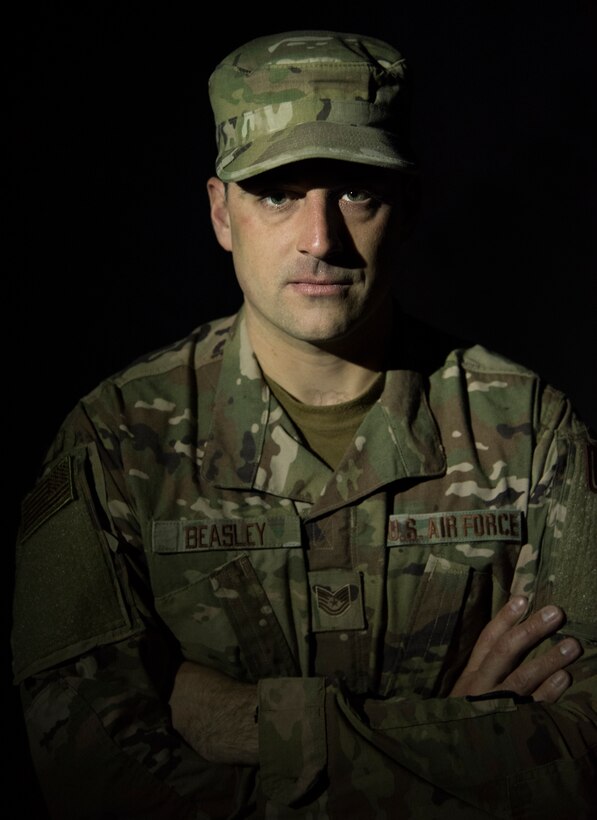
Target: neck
{"points": [[322, 374]]}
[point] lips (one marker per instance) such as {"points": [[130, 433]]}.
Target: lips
{"points": [[319, 280], [318, 272], [319, 287], [329, 278]]}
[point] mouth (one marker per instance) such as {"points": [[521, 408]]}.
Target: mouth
{"points": [[309, 285], [319, 288]]}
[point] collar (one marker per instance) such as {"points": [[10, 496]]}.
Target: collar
{"points": [[253, 445]]}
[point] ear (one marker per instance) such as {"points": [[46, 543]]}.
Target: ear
{"points": [[218, 206]]}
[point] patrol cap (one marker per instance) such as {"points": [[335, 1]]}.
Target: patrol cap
{"points": [[310, 94]]}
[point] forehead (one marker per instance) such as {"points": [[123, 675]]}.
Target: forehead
{"points": [[324, 173]]}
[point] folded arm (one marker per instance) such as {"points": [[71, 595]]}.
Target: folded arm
{"points": [[506, 694], [107, 713]]}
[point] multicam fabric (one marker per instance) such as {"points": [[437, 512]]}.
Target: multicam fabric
{"points": [[309, 94], [180, 516]]}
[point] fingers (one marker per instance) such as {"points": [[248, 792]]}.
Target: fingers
{"points": [[552, 689], [504, 620], [497, 660], [518, 640], [544, 677]]}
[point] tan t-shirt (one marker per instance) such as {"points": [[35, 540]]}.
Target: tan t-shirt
{"points": [[328, 429]]}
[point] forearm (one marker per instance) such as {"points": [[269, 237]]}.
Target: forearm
{"points": [[314, 741], [215, 714], [475, 756], [102, 743]]}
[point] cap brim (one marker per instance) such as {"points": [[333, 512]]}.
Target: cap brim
{"points": [[316, 140]]}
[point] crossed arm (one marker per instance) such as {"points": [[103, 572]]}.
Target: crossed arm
{"points": [[216, 714]]}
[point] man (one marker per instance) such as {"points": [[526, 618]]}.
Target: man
{"points": [[313, 560]]}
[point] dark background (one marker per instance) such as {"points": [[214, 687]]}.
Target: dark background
{"points": [[110, 251]]}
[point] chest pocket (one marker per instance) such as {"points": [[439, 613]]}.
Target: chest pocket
{"points": [[447, 574], [440, 628], [229, 589]]}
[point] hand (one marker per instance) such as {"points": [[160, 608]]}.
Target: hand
{"points": [[497, 661], [215, 714]]}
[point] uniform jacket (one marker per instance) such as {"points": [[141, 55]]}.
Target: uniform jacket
{"points": [[180, 516]]}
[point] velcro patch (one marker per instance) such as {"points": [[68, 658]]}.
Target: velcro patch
{"points": [[337, 600], [592, 466], [273, 530], [455, 527], [53, 492]]}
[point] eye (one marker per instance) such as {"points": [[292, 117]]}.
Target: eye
{"points": [[275, 199], [356, 195]]}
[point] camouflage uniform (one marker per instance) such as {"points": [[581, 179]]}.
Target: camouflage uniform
{"points": [[179, 515]]}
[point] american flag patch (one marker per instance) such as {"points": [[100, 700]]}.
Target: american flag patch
{"points": [[53, 492]]}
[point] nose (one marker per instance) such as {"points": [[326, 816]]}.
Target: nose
{"points": [[321, 226]]}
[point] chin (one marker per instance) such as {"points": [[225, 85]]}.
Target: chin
{"points": [[323, 335]]}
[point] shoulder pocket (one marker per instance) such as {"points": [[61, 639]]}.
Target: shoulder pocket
{"points": [[569, 562], [67, 598]]}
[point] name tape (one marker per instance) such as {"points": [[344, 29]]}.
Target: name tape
{"points": [[455, 527]]}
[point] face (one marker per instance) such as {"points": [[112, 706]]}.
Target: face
{"points": [[313, 246]]}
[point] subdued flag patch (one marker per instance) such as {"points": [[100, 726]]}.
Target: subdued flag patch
{"points": [[53, 492]]}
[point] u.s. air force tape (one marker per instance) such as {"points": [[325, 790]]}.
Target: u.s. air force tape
{"points": [[458, 526]]}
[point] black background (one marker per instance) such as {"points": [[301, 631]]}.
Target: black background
{"points": [[110, 251]]}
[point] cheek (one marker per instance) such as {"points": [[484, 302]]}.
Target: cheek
{"points": [[249, 256], [249, 239], [261, 249], [373, 234], [242, 248], [388, 239], [240, 228], [374, 245]]}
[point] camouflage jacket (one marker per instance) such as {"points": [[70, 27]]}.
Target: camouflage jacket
{"points": [[179, 515]]}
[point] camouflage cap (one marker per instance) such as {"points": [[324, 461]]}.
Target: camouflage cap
{"points": [[310, 94]]}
